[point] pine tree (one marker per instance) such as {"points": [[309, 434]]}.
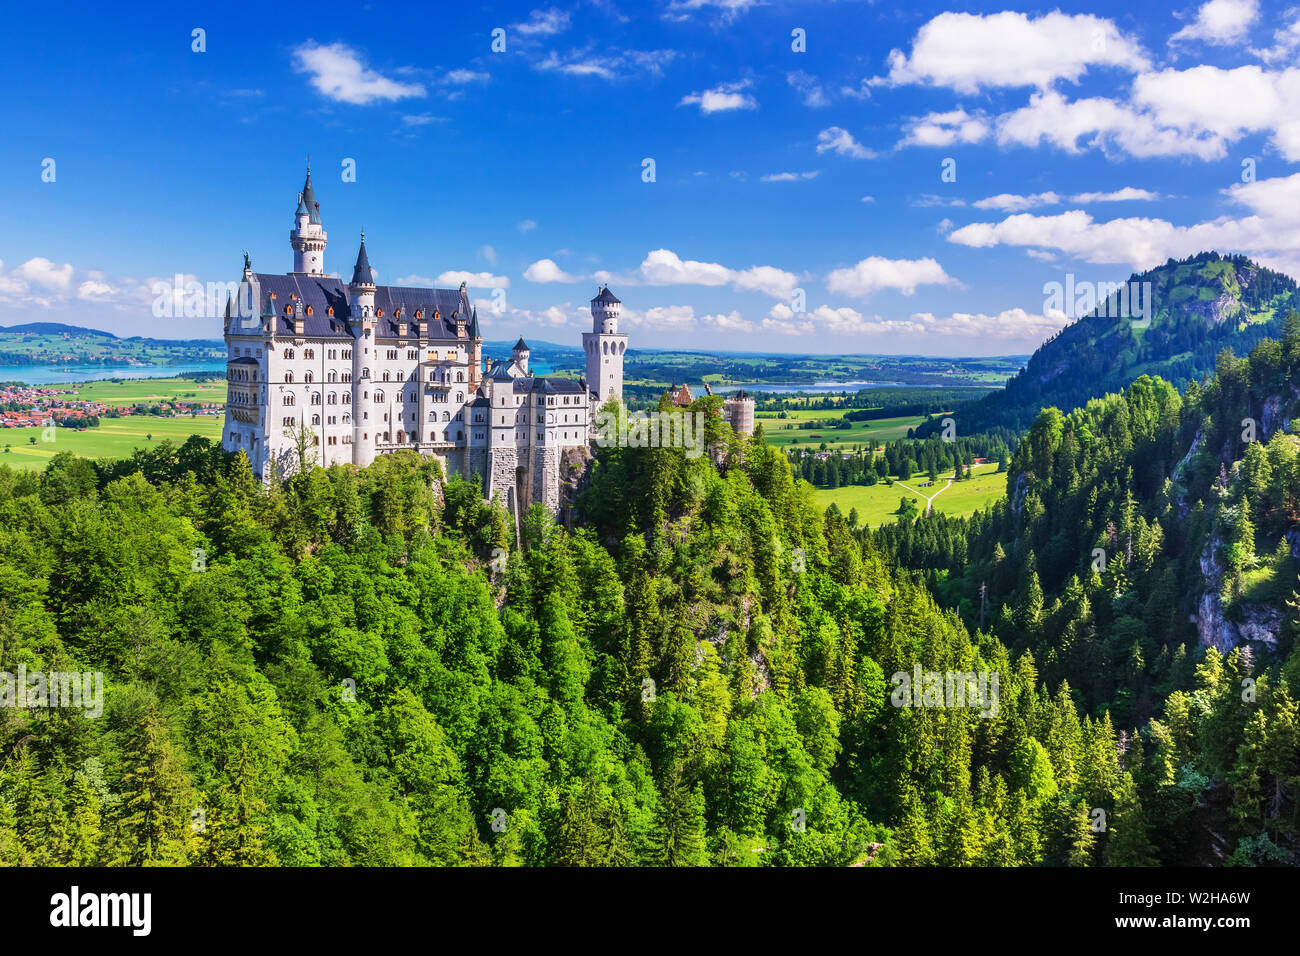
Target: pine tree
{"points": [[156, 802]]}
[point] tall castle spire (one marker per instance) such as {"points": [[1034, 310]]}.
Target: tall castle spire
{"points": [[308, 235]]}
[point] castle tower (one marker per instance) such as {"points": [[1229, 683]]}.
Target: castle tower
{"points": [[308, 235], [475, 351], [520, 354], [605, 346], [365, 427]]}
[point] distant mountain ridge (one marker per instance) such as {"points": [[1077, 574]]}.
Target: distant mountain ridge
{"points": [[55, 328], [1200, 306]]}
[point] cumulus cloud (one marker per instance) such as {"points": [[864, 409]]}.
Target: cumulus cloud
{"points": [[1268, 232], [875, 273], [1220, 23], [789, 177], [1010, 324], [665, 267], [944, 129], [452, 280], [722, 98], [968, 52], [336, 71], [1010, 202], [545, 270], [46, 274], [526, 225], [842, 143]]}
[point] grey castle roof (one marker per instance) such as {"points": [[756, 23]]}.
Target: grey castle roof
{"points": [[606, 297], [521, 345], [308, 200], [321, 293], [549, 386], [362, 273], [474, 332]]}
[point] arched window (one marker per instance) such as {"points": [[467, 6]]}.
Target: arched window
{"points": [[330, 311], [460, 376], [347, 376], [365, 373], [401, 437], [315, 398], [332, 376], [446, 417], [333, 398], [347, 398], [379, 396], [308, 353], [310, 311], [385, 376], [315, 419], [307, 376], [288, 377], [288, 400], [288, 353]]}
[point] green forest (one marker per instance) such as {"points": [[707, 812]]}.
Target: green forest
{"points": [[694, 665]]}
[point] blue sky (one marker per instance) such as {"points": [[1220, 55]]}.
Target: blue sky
{"points": [[1087, 139]]}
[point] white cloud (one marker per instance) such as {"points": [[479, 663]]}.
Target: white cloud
{"points": [[453, 278], [789, 177], [967, 52], [464, 77], [1286, 41], [665, 267], [526, 225], [1010, 202], [45, 273], [1127, 194], [944, 129], [543, 23], [841, 142], [721, 99], [728, 9], [729, 322], [95, 291], [1269, 232], [876, 273], [422, 119], [1010, 324], [337, 72], [1220, 22], [611, 64], [489, 254], [545, 270], [808, 87], [667, 317]]}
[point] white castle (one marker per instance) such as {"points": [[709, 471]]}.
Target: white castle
{"points": [[344, 372]]}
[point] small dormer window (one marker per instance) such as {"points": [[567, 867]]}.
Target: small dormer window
{"points": [[288, 309], [310, 310], [293, 296], [379, 312], [419, 313], [397, 313], [330, 311]]}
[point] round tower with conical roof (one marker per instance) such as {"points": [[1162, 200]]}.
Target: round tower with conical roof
{"points": [[361, 293], [308, 234], [605, 346]]}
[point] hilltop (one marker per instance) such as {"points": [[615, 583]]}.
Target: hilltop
{"points": [[1200, 306]]}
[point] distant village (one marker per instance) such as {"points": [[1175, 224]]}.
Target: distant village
{"points": [[25, 406]]}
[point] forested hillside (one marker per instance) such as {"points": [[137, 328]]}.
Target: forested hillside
{"points": [[1147, 557], [1199, 307], [695, 668]]}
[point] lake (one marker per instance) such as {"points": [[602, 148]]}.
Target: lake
{"points": [[54, 374], [817, 387]]}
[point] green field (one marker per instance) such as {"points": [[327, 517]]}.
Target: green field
{"points": [[878, 503], [114, 438], [784, 433], [149, 390]]}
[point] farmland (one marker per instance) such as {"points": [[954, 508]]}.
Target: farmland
{"points": [[878, 503]]}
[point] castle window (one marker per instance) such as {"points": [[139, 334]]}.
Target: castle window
{"points": [[310, 310], [401, 437], [330, 311], [288, 377], [347, 376], [347, 398], [315, 398], [331, 376], [315, 419], [288, 353], [309, 353], [307, 376], [379, 396], [446, 417], [333, 398], [288, 400], [379, 313], [365, 373], [385, 375]]}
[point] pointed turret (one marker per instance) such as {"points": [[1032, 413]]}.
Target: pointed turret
{"points": [[362, 274], [308, 235]]}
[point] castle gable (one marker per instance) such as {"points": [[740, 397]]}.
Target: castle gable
{"points": [[322, 293]]}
